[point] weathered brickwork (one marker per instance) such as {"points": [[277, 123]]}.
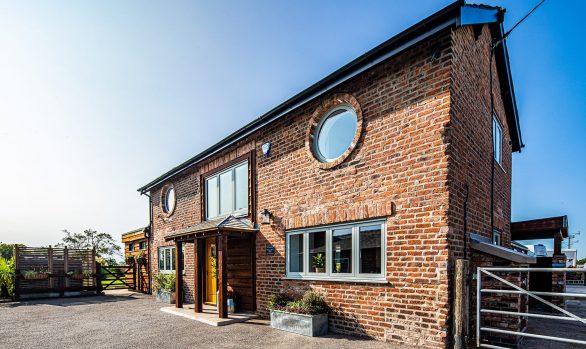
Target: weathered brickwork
{"points": [[409, 167]]}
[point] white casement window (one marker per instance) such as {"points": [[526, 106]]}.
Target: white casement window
{"points": [[130, 247], [227, 192], [167, 259], [497, 140], [339, 252], [142, 245], [496, 237]]}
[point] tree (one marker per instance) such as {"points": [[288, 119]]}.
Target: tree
{"points": [[581, 261], [6, 250], [103, 243]]}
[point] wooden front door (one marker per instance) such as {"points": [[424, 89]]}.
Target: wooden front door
{"points": [[211, 271]]}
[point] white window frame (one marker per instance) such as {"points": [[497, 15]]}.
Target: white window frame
{"points": [[496, 237], [236, 213], [166, 268], [355, 275], [131, 247], [497, 140], [140, 245]]}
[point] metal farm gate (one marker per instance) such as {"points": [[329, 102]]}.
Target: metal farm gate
{"points": [[492, 290]]}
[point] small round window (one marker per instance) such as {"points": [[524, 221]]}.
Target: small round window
{"points": [[335, 133], [169, 200]]}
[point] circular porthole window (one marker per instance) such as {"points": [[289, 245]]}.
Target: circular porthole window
{"points": [[169, 199], [335, 133], [334, 130]]}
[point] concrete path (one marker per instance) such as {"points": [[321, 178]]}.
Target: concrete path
{"points": [[124, 319]]}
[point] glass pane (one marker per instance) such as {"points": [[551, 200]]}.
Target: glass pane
{"points": [[370, 249], [170, 200], [317, 252], [172, 258], [167, 259], [296, 253], [241, 173], [161, 260], [226, 193], [336, 134], [212, 197], [342, 250]]}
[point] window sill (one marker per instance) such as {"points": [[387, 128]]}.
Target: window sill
{"points": [[335, 279]]}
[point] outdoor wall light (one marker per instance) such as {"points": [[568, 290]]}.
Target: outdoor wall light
{"points": [[266, 216], [266, 150]]}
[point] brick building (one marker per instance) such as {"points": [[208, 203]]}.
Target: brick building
{"points": [[363, 186]]}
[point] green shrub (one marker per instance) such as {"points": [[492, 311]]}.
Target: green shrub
{"points": [[7, 275], [165, 282], [311, 303]]}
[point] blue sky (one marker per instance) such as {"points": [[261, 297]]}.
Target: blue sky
{"points": [[98, 98]]}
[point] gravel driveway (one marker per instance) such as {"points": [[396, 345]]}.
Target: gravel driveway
{"points": [[135, 321]]}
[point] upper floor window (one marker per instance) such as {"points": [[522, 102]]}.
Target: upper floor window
{"points": [[342, 252], [169, 200], [496, 237], [497, 140], [335, 133], [227, 192], [142, 245], [130, 247]]}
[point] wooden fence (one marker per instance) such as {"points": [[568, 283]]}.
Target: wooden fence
{"points": [[55, 272]]}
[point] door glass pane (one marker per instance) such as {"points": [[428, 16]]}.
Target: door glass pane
{"points": [[342, 250], [317, 252], [226, 193], [212, 197], [241, 173], [370, 249], [296, 253]]}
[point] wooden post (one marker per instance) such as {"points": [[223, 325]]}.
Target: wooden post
{"points": [[98, 278], [178, 276], [198, 246], [65, 267], [461, 303], [222, 277], [50, 266], [134, 279], [16, 292]]}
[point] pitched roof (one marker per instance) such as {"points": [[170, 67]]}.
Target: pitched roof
{"points": [[229, 223], [456, 14]]}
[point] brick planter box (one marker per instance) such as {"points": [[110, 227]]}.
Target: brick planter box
{"points": [[307, 325]]}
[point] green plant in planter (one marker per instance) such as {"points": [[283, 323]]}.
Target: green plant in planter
{"points": [[129, 260], [165, 282], [319, 262], [36, 274], [6, 276], [312, 303]]}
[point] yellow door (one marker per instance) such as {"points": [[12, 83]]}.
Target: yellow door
{"points": [[211, 271]]}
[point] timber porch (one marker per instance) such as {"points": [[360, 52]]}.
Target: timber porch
{"points": [[224, 257]]}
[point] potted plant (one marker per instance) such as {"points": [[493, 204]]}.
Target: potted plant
{"points": [[40, 274], [80, 275], [165, 288], [231, 296], [307, 316], [129, 260], [319, 263], [141, 259]]}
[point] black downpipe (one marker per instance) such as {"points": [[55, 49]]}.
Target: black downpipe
{"points": [[492, 140]]}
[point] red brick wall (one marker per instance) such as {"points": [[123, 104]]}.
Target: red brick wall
{"points": [[470, 143], [398, 171]]}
